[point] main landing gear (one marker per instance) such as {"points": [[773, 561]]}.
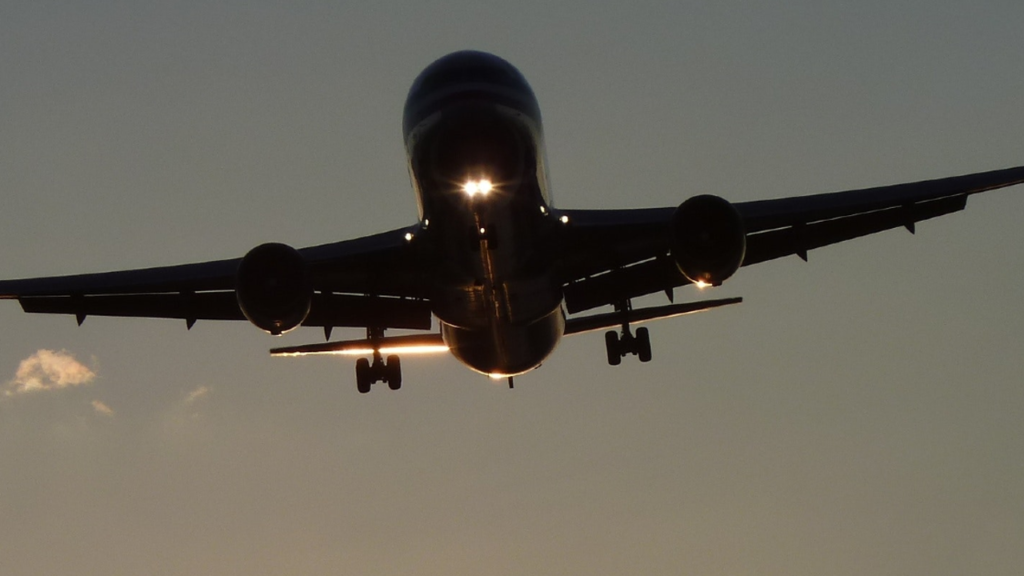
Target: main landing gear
{"points": [[389, 372], [618, 345]]}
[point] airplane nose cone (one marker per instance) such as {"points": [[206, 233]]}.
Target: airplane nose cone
{"points": [[467, 75]]}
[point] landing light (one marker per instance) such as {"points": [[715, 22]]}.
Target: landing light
{"points": [[700, 284], [477, 187]]}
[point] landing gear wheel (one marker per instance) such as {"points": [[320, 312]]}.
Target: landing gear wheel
{"points": [[611, 344], [363, 375], [393, 372], [643, 344]]}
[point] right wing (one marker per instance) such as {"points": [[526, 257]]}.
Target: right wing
{"points": [[614, 255]]}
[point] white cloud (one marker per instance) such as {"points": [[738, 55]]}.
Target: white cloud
{"points": [[102, 408], [196, 394], [49, 370]]}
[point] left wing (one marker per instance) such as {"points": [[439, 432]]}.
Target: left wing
{"points": [[615, 255], [380, 276]]}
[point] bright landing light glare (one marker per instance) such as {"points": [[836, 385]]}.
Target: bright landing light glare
{"points": [[477, 187]]}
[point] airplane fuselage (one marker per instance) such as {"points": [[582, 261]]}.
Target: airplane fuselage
{"points": [[474, 141]]}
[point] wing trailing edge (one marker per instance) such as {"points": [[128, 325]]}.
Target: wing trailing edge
{"points": [[327, 310], [618, 318], [410, 344]]}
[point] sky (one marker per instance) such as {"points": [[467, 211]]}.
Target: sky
{"points": [[862, 413]]}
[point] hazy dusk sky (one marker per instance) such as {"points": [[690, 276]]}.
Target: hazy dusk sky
{"points": [[859, 414]]}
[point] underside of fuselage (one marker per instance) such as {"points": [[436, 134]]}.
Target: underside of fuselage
{"points": [[474, 141]]}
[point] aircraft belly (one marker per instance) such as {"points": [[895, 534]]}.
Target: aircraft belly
{"points": [[478, 304], [504, 349]]}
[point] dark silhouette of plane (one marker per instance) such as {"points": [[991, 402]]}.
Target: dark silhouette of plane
{"points": [[505, 272]]}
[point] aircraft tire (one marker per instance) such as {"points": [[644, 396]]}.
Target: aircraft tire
{"points": [[363, 375], [611, 345], [394, 372], [643, 344]]}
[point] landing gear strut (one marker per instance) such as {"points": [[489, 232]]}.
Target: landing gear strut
{"points": [[389, 371], [618, 345]]}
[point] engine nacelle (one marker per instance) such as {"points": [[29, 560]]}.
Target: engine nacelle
{"points": [[273, 288], [708, 239]]}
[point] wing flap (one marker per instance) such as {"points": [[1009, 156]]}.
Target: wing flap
{"points": [[764, 215], [205, 276], [191, 307], [647, 277], [409, 344], [801, 238], [331, 310], [347, 310], [613, 319]]}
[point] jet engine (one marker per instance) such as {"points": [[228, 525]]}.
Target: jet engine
{"points": [[708, 239], [273, 288]]}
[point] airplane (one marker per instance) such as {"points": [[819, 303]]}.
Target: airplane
{"points": [[504, 272]]}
